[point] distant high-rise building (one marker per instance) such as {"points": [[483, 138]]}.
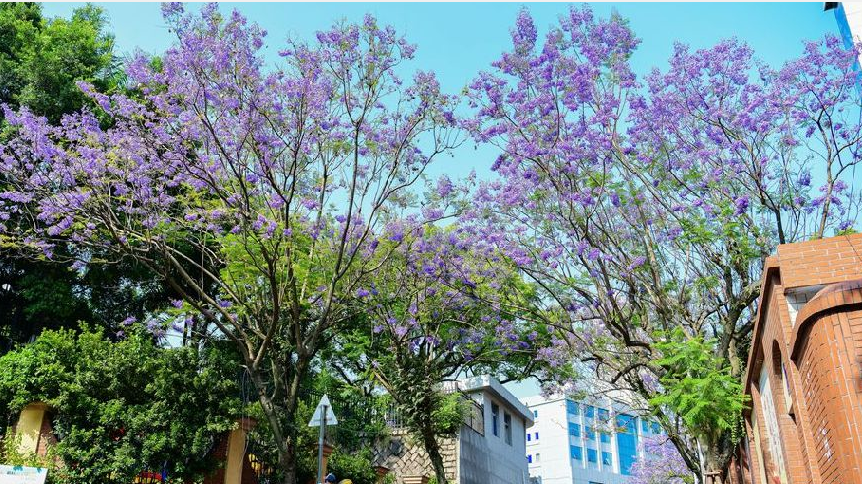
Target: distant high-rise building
{"points": [[575, 442]]}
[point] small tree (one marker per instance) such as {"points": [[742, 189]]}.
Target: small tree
{"points": [[258, 195], [438, 310]]}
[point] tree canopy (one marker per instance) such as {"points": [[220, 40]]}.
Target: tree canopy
{"points": [[123, 407], [622, 232]]}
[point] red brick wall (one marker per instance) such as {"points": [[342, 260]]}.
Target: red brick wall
{"points": [[824, 261], [821, 354], [829, 358]]}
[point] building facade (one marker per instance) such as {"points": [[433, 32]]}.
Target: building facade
{"points": [[489, 448], [848, 15], [804, 372], [592, 442]]}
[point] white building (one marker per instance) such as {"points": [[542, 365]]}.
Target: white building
{"points": [[583, 443], [496, 454], [490, 447]]}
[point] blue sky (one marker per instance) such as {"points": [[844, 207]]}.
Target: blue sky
{"points": [[458, 39]]}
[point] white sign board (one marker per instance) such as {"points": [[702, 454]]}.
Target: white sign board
{"points": [[323, 406], [22, 475]]}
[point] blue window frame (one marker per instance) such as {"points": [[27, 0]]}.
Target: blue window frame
{"points": [[644, 426], [627, 442], [572, 407], [656, 428], [606, 459], [528, 436], [536, 436], [574, 429], [605, 437], [577, 452], [603, 414], [589, 411], [591, 434], [592, 456], [529, 459]]}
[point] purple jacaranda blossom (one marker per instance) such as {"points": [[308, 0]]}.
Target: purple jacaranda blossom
{"points": [[741, 205]]}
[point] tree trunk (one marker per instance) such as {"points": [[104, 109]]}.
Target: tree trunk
{"points": [[289, 465], [285, 439], [716, 462], [432, 447]]}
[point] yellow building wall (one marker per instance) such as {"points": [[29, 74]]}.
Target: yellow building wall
{"points": [[28, 427]]}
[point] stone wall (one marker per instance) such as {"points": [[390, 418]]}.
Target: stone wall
{"points": [[404, 457]]}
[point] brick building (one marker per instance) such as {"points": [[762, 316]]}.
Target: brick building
{"points": [[804, 372]]}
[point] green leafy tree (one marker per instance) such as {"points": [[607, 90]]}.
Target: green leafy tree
{"points": [[698, 389], [42, 59], [360, 426], [121, 407]]}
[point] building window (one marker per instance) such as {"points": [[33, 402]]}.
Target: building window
{"points": [[589, 411], [507, 427], [606, 458], [788, 398], [535, 414], [591, 434], [572, 408], [656, 428], [627, 442], [644, 426], [605, 437], [536, 436], [538, 457], [577, 452], [495, 419], [528, 436], [603, 414], [592, 456], [574, 429], [529, 459], [773, 434]]}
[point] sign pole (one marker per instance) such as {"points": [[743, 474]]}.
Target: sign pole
{"points": [[321, 417], [320, 446]]}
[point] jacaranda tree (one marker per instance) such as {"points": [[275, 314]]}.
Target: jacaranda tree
{"points": [[278, 181], [440, 309], [643, 209]]}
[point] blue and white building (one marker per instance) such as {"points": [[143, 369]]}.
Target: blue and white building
{"points": [[593, 442]]}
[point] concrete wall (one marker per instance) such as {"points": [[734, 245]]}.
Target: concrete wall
{"points": [[554, 464], [489, 458]]}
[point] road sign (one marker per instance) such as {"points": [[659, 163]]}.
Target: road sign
{"points": [[322, 417], [22, 475], [323, 408]]}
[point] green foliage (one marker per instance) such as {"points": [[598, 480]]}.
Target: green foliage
{"points": [[359, 426], [697, 388], [121, 407], [10, 455], [41, 60]]}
